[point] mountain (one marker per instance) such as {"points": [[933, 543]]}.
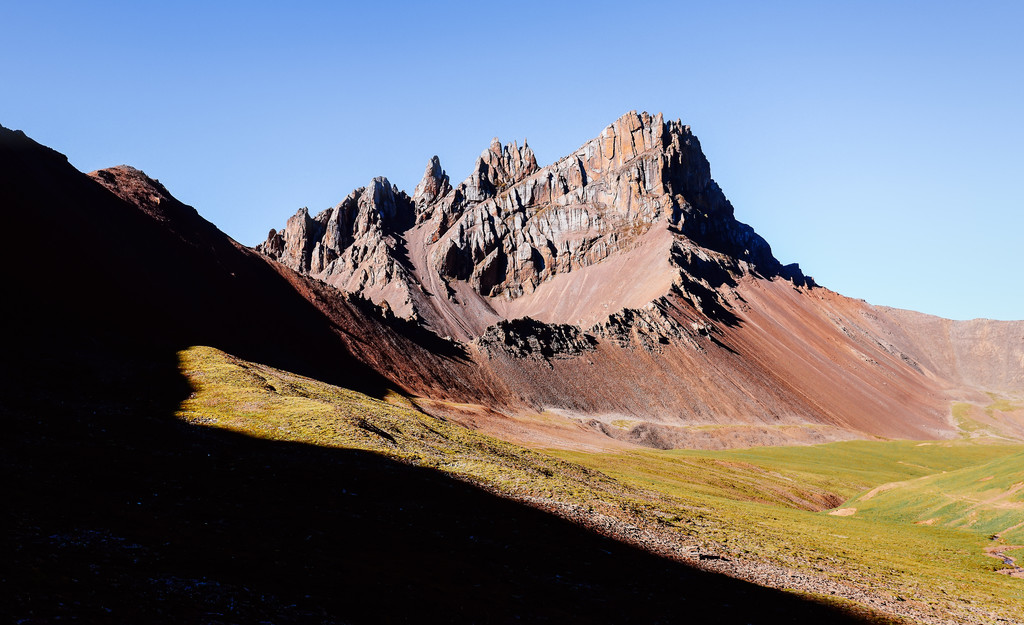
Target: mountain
{"points": [[119, 510], [196, 431], [608, 299], [513, 239], [616, 290]]}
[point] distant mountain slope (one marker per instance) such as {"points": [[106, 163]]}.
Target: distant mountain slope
{"points": [[980, 353]]}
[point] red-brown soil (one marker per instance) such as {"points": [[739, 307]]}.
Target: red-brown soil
{"points": [[670, 323]]}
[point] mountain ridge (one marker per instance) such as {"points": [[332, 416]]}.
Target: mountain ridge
{"points": [[707, 350], [626, 251], [512, 226]]}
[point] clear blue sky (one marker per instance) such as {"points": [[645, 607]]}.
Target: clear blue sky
{"points": [[878, 144]]}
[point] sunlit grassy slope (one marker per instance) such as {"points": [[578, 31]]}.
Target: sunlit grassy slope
{"points": [[987, 498], [269, 403], [809, 477], [764, 501], [767, 504]]}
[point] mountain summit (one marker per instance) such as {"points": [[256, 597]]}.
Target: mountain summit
{"points": [[631, 215]]}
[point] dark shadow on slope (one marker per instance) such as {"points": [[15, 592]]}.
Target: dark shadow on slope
{"points": [[702, 279], [425, 338], [718, 342], [80, 254], [121, 513], [707, 301]]}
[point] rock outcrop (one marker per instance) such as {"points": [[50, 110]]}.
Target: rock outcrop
{"points": [[523, 338], [433, 185], [640, 173], [355, 246]]}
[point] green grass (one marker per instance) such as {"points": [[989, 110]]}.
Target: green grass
{"points": [[268, 403], [987, 499], [260, 401], [762, 503], [1001, 404], [767, 504], [812, 477]]}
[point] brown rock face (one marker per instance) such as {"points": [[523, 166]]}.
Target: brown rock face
{"points": [[618, 282], [476, 250], [355, 245], [639, 174], [433, 185]]}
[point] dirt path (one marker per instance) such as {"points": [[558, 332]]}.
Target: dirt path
{"points": [[891, 485], [999, 552], [1010, 529]]}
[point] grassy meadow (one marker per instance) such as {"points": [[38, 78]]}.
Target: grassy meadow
{"points": [[908, 520], [772, 504]]}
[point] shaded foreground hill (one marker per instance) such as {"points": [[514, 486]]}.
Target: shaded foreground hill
{"points": [[121, 513], [89, 269]]}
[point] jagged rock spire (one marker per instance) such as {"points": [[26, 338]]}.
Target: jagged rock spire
{"points": [[511, 226], [498, 168], [433, 185]]}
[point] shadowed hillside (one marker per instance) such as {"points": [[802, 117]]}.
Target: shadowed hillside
{"points": [[122, 513], [88, 265]]}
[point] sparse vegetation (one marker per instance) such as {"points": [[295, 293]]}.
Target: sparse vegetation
{"points": [[761, 503], [1002, 404], [268, 403], [979, 420], [969, 420], [764, 504]]}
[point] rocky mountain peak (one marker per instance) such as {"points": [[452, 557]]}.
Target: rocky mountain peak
{"points": [[386, 205], [497, 168], [640, 190], [357, 240]]}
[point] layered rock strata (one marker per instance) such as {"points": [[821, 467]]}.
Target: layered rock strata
{"points": [[463, 257]]}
